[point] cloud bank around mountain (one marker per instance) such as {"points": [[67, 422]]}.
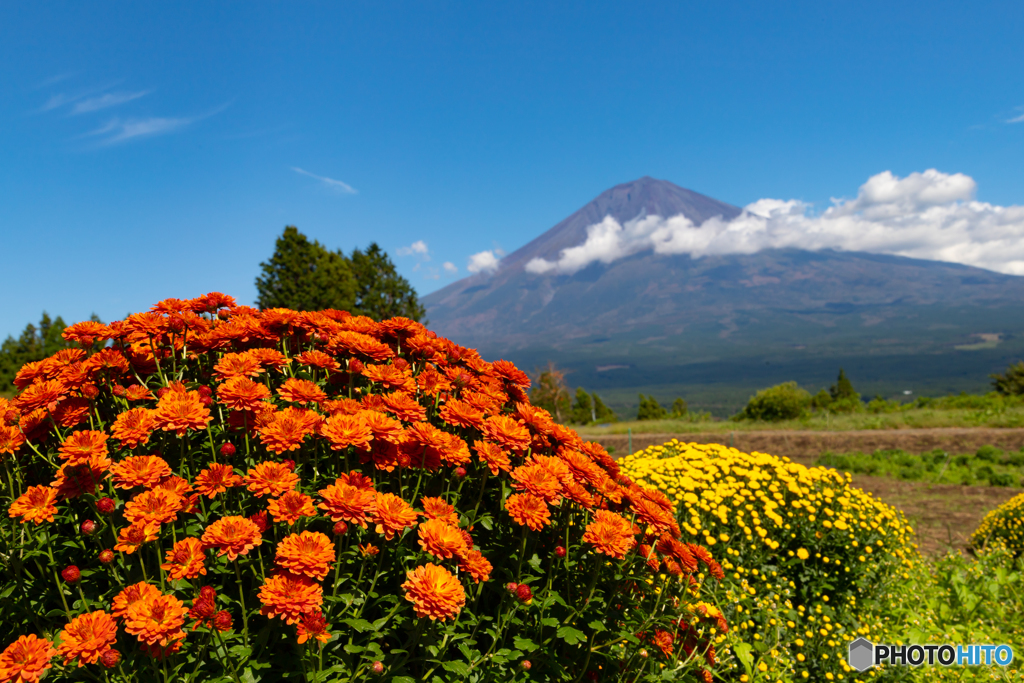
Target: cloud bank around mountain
{"points": [[930, 215]]}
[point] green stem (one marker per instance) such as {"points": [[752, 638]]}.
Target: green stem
{"points": [[241, 597]]}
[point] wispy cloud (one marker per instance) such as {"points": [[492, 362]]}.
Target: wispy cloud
{"points": [[54, 80], [330, 183], [417, 248], [116, 130], [1016, 119], [107, 100], [450, 267]]}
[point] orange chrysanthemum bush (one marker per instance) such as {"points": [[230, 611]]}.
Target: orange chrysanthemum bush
{"points": [[211, 492]]}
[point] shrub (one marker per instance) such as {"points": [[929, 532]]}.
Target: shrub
{"points": [[218, 493], [989, 454], [782, 402], [802, 550], [1004, 524], [650, 409], [1011, 382]]}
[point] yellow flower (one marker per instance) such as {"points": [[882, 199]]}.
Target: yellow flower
{"points": [[802, 553]]}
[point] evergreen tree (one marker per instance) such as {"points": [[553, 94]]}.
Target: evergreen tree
{"points": [[1011, 382], [603, 412], [650, 409], [843, 388], [583, 408], [550, 393], [679, 407], [35, 343], [305, 276], [380, 291]]}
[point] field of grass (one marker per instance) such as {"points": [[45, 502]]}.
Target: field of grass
{"points": [[989, 466]]}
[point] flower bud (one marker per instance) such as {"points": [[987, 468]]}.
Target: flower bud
{"points": [[107, 556], [207, 401], [105, 506], [71, 574], [524, 593], [261, 521], [88, 527], [340, 528], [378, 667], [560, 551], [207, 593], [222, 621], [355, 366], [227, 450], [511, 587], [525, 665], [110, 658], [205, 390], [290, 464], [460, 472]]}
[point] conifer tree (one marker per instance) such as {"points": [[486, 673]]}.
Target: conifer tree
{"points": [[35, 343], [380, 291], [305, 276]]}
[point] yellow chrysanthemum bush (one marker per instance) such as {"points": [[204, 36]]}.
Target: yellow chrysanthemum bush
{"points": [[1005, 524], [801, 548], [208, 492]]}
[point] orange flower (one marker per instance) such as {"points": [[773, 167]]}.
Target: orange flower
{"points": [[284, 431], [404, 407], [318, 359], [241, 393], [271, 478], [87, 637], [507, 432], [301, 391], [346, 503], [233, 536], [186, 560], [610, 534], [74, 480], [496, 459], [462, 414], [368, 550], [11, 438], [35, 505], [389, 376], [157, 505], [309, 554], [441, 539], [476, 565], [130, 595], [45, 395], [133, 427], [85, 333], [237, 365], [156, 620], [179, 411], [174, 484], [26, 659], [137, 392], [384, 427], [528, 510], [392, 515], [81, 446], [140, 470], [217, 479], [434, 592], [133, 537], [343, 431], [288, 597], [313, 625], [437, 508], [537, 480], [652, 514], [291, 507]]}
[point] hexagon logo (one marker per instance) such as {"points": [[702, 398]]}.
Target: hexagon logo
{"points": [[862, 654]]}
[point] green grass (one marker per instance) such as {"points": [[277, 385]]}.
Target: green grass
{"points": [[968, 410], [989, 466]]}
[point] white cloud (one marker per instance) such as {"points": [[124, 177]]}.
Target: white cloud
{"points": [[450, 267], [106, 100], [419, 248], [1016, 119], [483, 262], [929, 215], [330, 183]]}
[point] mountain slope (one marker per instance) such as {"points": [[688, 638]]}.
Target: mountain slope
{"points": [[649, 317]]}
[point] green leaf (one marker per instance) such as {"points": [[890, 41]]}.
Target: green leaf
{"points": [[403, 679], [457, 668], [248, 677], [380, 622], [353, 649], [742, 652], [549, 621], [570, 635], [487, 522], [597, 626], [535, 563], [525, 644], [240, 652], [361, 625]]}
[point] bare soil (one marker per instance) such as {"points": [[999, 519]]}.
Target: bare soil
{"points": [[943, 515]]}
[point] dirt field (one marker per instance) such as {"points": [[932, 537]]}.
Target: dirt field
{"points": [[943, 515]]}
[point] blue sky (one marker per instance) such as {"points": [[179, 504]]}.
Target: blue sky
{"points": [[156, 150]]}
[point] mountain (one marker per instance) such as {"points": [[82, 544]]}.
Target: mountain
{"points": [[725, 325]]}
